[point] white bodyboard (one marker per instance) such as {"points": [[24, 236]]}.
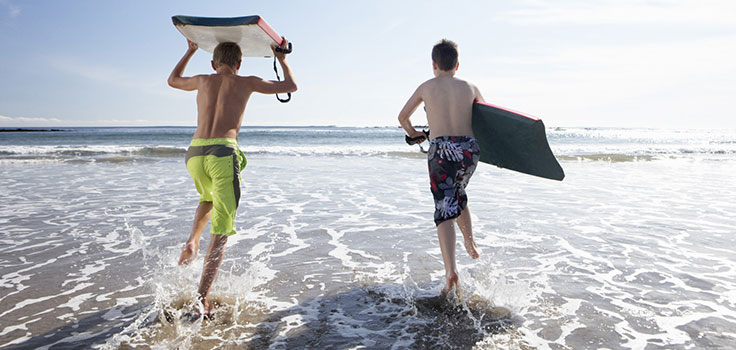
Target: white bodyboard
{"points": [[254, 36]]}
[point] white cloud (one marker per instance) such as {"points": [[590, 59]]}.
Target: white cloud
{"points": [[127, 122], [692, 12], [114, 76], [25, 121], [13, 10], [686, 82]]}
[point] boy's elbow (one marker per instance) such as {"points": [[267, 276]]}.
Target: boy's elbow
{"points": [[293, 87], [402, 117], [172, 82]]}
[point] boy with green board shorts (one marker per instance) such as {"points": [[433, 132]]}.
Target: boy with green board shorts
{"points": [[213, 159], [453, 151]]}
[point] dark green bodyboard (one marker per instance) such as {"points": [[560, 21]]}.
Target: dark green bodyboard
{"points": [[514, 141]]}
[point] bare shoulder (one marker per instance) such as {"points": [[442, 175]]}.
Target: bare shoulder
{"points": [[202, 80], [472, 86], [464, 82], [250, 80], [204, 77], [476, 92], [426, 86], [429, 82]]}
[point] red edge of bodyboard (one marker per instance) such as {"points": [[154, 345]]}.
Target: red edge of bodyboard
{"points": [[508, 110], [267, 28]]}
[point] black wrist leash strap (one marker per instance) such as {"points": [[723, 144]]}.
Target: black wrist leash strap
{"points": [[285, 51], [288, 94]]}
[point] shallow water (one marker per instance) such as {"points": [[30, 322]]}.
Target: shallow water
{"points": [[339, 251]]}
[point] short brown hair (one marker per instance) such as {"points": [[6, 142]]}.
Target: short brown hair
{"points": [[227, 53], [444, 54]]}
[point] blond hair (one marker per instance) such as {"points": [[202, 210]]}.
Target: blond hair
{"points": [[227, 53]]}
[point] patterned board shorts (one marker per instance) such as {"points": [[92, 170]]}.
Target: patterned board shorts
{"points": [[452, 161]]}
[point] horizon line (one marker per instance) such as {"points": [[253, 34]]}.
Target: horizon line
{"points": [[59, 128]]}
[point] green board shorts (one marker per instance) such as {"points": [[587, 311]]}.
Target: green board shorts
{"points": [[215, 166]]}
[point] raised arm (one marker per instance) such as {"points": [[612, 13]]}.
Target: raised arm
{"points": [[406, 112], [277, 87], [184, 83]]}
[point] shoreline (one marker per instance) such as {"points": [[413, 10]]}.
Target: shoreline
{"points": [[32, 130]]}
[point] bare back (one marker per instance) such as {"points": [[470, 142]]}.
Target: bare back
{"points": [[221, 97], [221, 100], [449, 105]]}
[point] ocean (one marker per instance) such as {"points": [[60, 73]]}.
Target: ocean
{"points": [[336, 247]]}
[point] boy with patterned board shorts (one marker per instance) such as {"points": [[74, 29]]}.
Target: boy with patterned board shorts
{"points": [[453, 151], [213, 159]]}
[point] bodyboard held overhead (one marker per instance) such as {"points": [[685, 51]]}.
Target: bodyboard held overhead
{"points": [[254, 36], [514, 141]]}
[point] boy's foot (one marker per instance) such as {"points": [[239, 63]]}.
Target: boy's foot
{"points": [[471, 247], [208, 308], [188, 253], [196, 314], [451, 283]]}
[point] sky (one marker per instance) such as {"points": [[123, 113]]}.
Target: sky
{"points": [[596, 63]]}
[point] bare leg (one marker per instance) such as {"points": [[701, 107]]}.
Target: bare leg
{"points": [[446, 235], [201, 217], [215, 253], [466, 227]]}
